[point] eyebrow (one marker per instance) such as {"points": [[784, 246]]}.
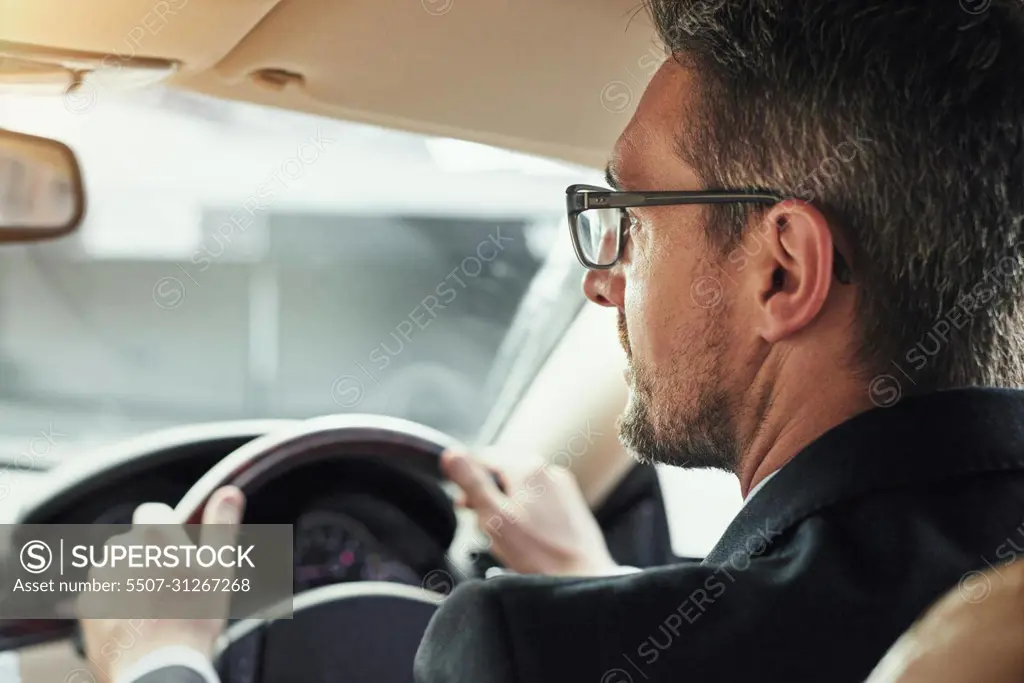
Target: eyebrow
{"points": [[611, 177]]}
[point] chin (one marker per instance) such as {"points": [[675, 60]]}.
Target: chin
{"points": [[656, 432]]}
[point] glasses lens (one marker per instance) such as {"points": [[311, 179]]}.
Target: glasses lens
{"points": [[599, 232]]}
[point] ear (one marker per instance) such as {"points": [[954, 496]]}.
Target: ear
{"points": [[791, 272]]}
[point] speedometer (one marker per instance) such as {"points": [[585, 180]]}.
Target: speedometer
{"points": [[329, 548], [332, 547]]}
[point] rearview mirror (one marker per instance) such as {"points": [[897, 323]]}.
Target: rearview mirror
{"points": [[41, 193]]}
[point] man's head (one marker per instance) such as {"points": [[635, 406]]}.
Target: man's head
{"points": [[898, 129]]}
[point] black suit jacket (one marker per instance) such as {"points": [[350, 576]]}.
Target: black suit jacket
{"points": [[171, 674], [817, 576]]}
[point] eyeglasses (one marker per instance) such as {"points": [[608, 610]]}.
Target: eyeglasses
{"points": [[599, 222]]}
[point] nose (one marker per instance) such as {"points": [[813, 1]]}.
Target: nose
{"points": [[604, 287]]}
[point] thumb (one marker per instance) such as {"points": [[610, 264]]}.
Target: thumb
{"points": [[155, 521], [474, 479], [153, 513], [222, 515]]}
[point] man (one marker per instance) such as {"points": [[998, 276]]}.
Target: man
{"points": [[816, 256]]}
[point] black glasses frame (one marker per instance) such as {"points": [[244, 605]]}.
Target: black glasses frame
{"points": [[580, 198]]}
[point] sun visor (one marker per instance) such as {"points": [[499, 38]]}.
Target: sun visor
{"points": [[192, 33], [553, 78]]}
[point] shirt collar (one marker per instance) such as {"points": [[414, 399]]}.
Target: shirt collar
{"points": [[760, 485]]}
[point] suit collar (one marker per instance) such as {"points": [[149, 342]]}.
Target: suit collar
{"points": [[919, 440]]}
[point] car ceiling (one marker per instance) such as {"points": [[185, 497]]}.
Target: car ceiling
{"points": [[556, 78]]}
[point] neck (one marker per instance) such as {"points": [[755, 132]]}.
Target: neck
{"points": [[791, 422]]}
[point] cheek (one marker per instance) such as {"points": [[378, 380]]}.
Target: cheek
{"points": [[658, 307]]}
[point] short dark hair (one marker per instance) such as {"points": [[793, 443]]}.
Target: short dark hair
{"points": [[931, 95]]}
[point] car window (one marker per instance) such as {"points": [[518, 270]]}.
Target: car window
{"points": [[239, 261]]}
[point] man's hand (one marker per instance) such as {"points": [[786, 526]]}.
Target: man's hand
{"points": [[539, 524], [114, 645], [974, 633]]}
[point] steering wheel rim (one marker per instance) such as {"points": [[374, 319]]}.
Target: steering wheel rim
{"points": [[260, 460], [257, 459]]}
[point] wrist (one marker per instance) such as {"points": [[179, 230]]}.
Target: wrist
{"points": [[594, 566]]}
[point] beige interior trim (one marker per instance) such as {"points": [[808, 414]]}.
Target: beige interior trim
{"points": [[569, 413]]}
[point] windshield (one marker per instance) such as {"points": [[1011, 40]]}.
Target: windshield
{"points": [[239, 261]]}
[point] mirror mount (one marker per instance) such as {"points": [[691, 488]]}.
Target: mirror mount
{"points": [[38, 69]]}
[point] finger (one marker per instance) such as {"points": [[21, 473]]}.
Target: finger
{"points": [[496, 454], [222, 515], [499, 478], [154, 513], [226, 506], [159, 526], [481, 493]]}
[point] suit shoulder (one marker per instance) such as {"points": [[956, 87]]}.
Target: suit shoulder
{"points": [[514, 628], [467, 639], [172, 674], [478, 630]]}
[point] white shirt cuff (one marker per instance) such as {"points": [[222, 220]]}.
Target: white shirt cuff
{"points": [[624, 569], [618, 570], [172, 655]]}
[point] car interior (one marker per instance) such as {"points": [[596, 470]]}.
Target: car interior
{"points": [[303, 247]]}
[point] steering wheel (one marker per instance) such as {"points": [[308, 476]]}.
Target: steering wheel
{"points": [[366, 631]]}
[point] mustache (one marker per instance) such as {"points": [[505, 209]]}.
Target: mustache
{"points": [[624, 335]]}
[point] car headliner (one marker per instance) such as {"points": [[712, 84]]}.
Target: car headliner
{"points": [[557, 79]]}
